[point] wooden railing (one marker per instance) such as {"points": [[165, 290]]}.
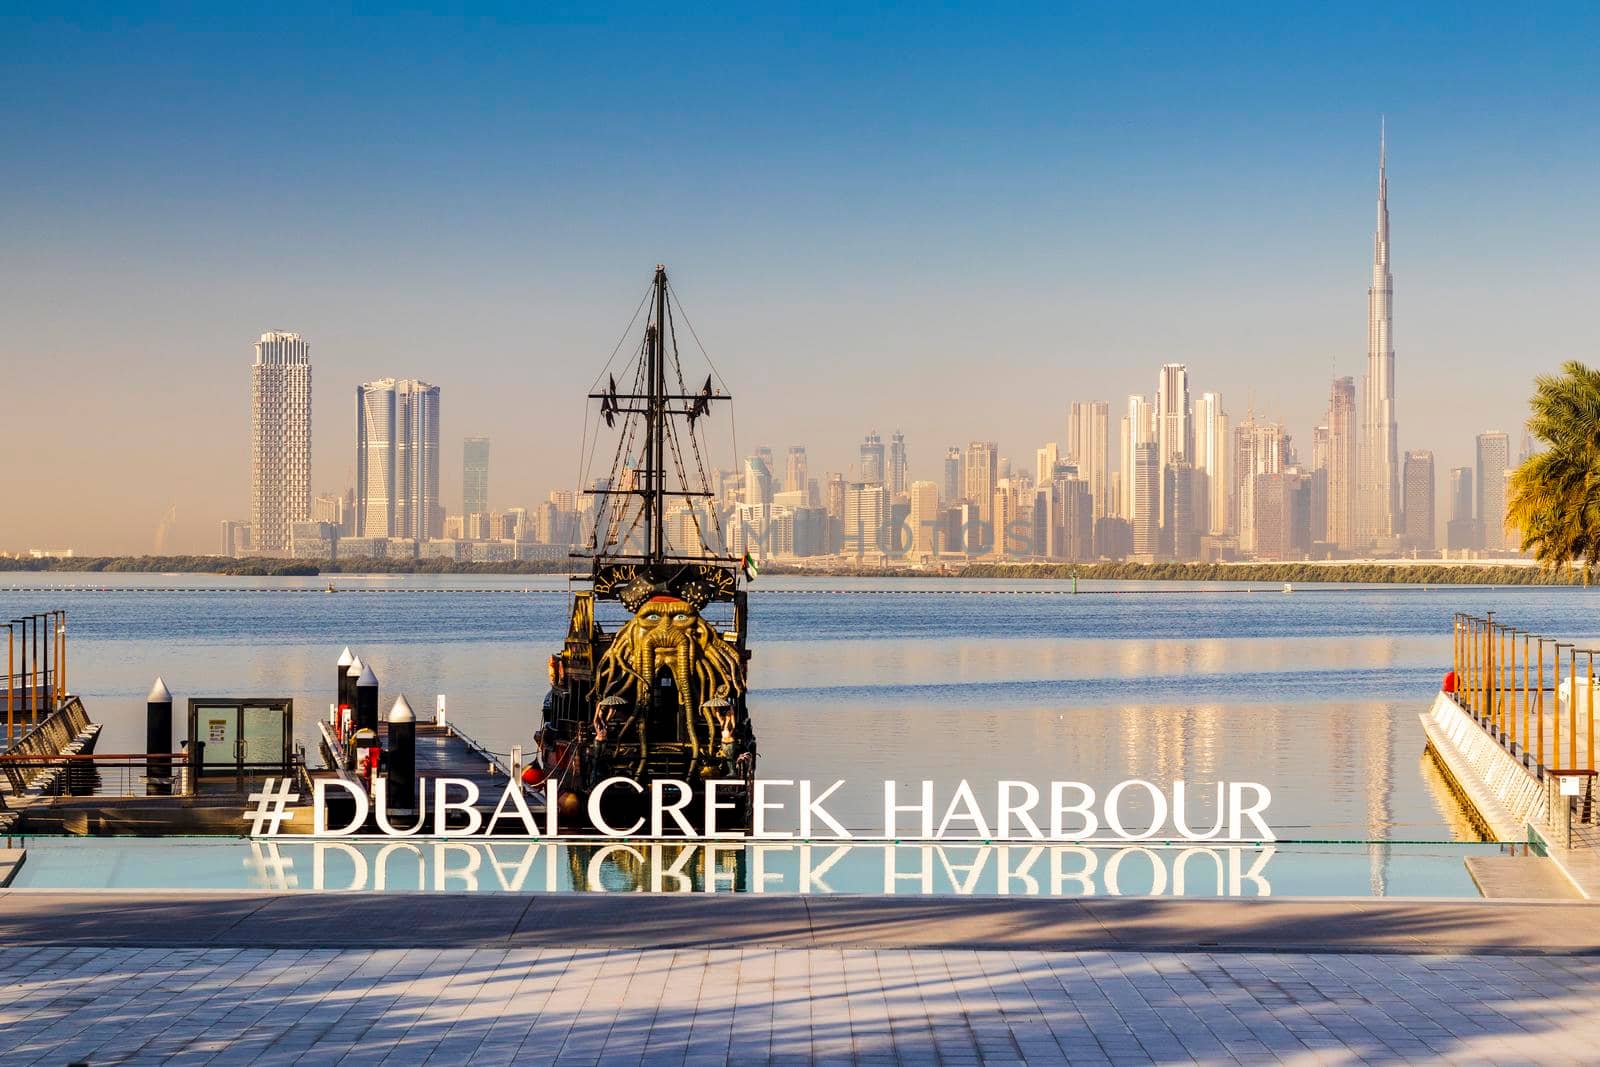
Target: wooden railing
{"points": [[1534, 694]]}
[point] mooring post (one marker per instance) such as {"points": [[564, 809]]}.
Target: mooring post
{"points": [[367, 701], [341, 688], [347, 716], [158, 740], [402, 756]]}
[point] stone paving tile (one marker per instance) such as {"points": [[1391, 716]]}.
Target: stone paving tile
{"points": [[754, 1005]]}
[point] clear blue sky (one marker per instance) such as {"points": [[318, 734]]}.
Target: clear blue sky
{"points": [[950, 220]]}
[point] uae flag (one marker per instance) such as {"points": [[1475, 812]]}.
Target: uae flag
{"points": [[750, 569]]}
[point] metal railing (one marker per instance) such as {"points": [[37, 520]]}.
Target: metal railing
{"points": [[35, 667], [1512, 682], [131, 774]]}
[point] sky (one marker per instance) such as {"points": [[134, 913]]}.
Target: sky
{"points": [[945, 219]]}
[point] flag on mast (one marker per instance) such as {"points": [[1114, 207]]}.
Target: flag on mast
{"points": [[750, 568]]}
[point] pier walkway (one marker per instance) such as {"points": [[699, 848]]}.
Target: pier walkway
{"points": [[275, 979]]}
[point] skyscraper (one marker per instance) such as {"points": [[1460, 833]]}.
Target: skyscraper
{"points": [[1089, 449], [1343, 457], [872, 465], [1494, 458], [1379, 500], [1212, 450], [1174, 425], [1461, 532], [280, 439], [1258, 448], [982, 472], [1146, 500], [474, 475], [795, 475], [924, 519], [1419, 501], [955, 476], [397, 460], [757, 481], [1137, 429], [898, 483], [1044, 466]]}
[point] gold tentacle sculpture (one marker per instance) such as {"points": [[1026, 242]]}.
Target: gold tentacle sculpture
{"points": [[668, 632]]}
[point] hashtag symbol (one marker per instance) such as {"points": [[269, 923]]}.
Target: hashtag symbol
{"points": [[271, 807]]}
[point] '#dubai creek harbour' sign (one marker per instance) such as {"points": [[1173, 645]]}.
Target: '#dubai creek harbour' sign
{"points": [[1134, 810]]}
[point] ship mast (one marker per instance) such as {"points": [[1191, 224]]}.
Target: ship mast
{"points": [[657, 407], [655, 430]]}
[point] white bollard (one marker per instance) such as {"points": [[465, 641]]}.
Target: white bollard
{"points": [[439, 716], [516, 760]]}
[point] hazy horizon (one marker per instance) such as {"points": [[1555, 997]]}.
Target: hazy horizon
{"points": [[953, 225]]}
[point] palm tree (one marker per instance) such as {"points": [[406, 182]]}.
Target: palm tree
{"points": [[1555, 495]]}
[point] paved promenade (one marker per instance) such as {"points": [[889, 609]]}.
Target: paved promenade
{"points": [[499, 978], [704, 920], [754, 1005]]}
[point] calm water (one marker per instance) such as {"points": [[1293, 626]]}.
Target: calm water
{"points": [[1315, 693]]}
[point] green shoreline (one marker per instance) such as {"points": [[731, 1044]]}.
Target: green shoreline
{"points": [[1419, 573]]}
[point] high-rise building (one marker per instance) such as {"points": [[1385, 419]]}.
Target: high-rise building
{"points": [[1461, 532], [335, 509], [898, 480], [1281, 521], [1494, 459], [1044, 465], [235, 538], [1146, 501], [955, 476], [474, 475], [1012, 534], [280, 439], [1180, 535], [1378, 500], [1419, 501], [866, 515], [1064, 518], [872, 460], [1138, 427], [757, 480], [397, 460], [1089, 449], [794, 475], [1174, 426], [924, 519], [1258, 448], [1343, 459], [1212, 451], [982, 472]]}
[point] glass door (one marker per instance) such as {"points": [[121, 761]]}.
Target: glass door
{"points": [[218, 726], [264, 732]]}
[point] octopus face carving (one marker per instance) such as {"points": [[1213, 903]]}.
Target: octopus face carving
{"points": [[667, 632]]}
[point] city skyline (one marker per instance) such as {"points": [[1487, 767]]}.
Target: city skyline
{"points": [[1049, 239]]}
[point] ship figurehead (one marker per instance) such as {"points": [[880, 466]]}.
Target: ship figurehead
{"points": [[668, 646]]}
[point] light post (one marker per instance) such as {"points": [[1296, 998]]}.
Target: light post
{"points": [[11, 683], [1555, 717]]}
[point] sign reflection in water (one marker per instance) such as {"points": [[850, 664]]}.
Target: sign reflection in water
{"points": [[758, 867]]}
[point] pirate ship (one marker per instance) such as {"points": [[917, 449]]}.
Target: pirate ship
{"points": [[650, 682]]}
